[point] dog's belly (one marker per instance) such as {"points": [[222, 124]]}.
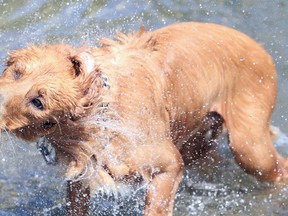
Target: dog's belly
{"points": [[196, 139]]}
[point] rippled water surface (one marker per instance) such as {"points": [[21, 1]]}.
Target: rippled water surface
{"points": [[218, 187]]}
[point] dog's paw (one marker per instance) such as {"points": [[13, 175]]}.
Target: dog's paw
{"points": [[282, 170]]}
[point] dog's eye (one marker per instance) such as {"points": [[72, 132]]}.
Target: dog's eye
{"points": [[16, 74], [37, 103]]}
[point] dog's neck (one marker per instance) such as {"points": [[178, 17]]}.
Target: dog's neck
{"points": [[80, 137]]}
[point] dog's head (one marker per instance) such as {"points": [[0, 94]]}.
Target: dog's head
{"points": [[44, 85]]}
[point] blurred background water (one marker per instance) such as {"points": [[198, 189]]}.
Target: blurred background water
{"points": [[216, 186]]}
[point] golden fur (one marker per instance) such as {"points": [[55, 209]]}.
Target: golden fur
{"points": [[129, 109]]}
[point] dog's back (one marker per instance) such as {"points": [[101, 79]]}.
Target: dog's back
{"points": [[191, 69]]}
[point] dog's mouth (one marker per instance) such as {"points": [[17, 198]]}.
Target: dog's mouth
{"points": [[48, 124]]}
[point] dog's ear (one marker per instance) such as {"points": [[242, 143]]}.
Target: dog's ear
{"points": [[89, 88], [83, 63]]}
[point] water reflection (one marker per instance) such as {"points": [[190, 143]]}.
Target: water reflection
{"points": [[217, 186]]}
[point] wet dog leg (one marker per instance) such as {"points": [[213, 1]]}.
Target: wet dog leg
{"points": [[164, 179], [78, 198], [250, 139]]}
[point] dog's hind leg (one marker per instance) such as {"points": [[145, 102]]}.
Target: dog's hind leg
{"points": [[247, 119]]}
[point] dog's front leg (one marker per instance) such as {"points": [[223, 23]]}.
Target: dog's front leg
{"points": [[164, 181], [78, 198]]}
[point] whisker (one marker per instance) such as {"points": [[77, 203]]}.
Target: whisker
{"points": [[58, 125], [10, 142]]}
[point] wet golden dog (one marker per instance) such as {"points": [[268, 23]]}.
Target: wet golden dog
{"points": [[140, 106]]}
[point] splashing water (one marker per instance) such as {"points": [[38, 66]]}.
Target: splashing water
{"points": [[215, 185]]}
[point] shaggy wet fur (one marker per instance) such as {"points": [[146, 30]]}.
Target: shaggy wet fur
{"points": [[140, 106]]}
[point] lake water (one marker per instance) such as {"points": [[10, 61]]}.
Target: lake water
{"points": [[218, 187]]}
